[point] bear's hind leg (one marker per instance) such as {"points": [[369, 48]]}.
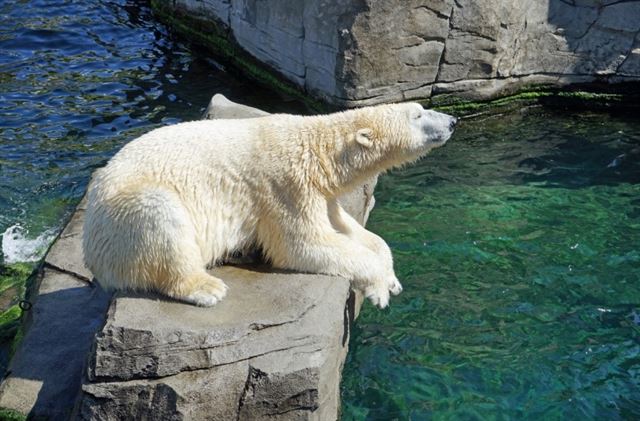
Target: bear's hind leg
{"points": [[199, 288], [162, 253]]}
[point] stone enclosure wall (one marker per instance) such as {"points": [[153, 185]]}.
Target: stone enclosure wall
{"points": [[360, 52]]}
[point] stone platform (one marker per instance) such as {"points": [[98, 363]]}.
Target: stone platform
{"points": [[273, 348]]}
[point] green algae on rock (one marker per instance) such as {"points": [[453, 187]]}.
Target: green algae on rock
{"points": [[212, 36]]}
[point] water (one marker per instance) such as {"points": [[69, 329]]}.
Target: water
{"points": [[518, 243], [77, 81]]}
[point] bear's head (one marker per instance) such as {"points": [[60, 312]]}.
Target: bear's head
{"points": [[391, 135], [430, 128], [355, 145]]}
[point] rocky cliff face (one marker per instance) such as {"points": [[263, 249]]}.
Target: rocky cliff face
{"points": [[261, 353], [483, 48], [359, 52]]}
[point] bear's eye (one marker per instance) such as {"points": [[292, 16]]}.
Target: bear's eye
{"points": [[416, 116]]}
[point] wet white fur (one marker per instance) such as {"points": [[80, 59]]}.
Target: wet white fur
{"points": [[183, 197]]}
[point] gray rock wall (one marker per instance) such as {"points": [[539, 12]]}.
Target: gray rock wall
{"points": [[479, 49], [359, 52], [296, 38]]}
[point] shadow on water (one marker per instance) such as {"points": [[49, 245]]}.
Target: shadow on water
{"points": [[546, 147], [585, 150]]}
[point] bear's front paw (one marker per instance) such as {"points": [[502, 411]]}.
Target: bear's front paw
{"points": [[379, 295], [206, 298], [394, 285]]}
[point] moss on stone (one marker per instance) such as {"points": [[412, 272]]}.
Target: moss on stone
{"points": [[465, 107], [14, 279], [10, 315], [14, 275], [9, 328], [17, 338], [11, 415], [536, 96]]}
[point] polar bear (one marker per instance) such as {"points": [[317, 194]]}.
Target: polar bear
{"points": [[183, 197]]}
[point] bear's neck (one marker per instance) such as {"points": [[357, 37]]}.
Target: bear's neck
{"points": [[331, 171]]}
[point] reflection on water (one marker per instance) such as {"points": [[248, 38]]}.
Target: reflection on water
{"points": [[519, 248]]}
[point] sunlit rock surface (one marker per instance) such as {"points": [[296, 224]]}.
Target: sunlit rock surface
{"points": [[372, 51]]}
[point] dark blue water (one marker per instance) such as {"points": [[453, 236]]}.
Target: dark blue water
{"points": [[77, 81]]}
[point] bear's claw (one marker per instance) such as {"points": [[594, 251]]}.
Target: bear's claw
{"points": [[378, 296], [395, 287]]}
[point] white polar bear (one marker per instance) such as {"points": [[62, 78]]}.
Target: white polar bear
{"points": [[183, 197]]}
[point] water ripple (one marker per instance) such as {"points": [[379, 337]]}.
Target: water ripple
{"points": [[518, 250], [77, 81]]}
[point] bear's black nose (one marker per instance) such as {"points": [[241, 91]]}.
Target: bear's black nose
{"points": [[453, 123]]}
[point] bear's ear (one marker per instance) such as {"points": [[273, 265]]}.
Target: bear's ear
{"points": [[363, 137]]}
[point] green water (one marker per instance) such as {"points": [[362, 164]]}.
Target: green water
{"points": [[518, 245]]}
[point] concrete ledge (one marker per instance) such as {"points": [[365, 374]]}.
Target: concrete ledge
{"points": [[273, 348], [44, 377]]}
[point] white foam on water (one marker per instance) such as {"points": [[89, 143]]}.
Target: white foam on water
{"points": [[17, 246]]}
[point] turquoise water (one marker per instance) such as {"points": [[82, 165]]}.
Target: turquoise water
{"points": [[518, 245]]}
